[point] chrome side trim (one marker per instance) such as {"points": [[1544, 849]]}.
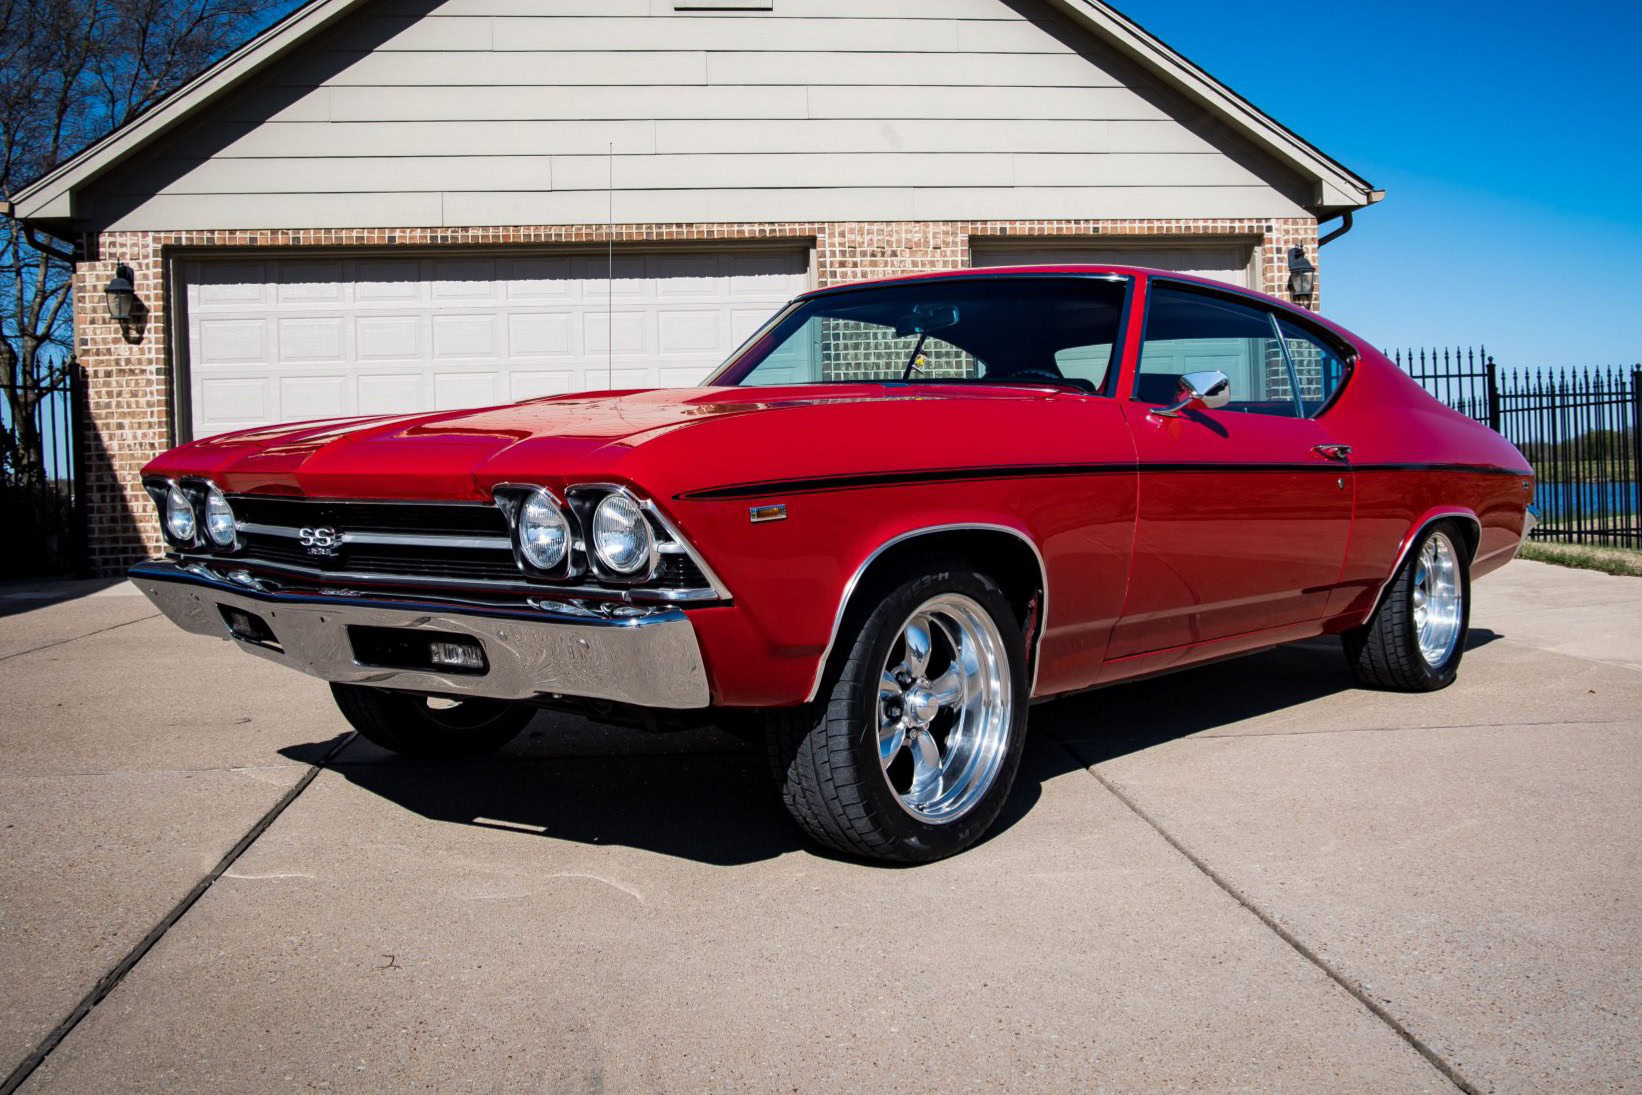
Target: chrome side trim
{"points": [[1530, 521], [646, 657], [1408, 546], [929, 530], [683, 544], [402, 539], [648, 505]]}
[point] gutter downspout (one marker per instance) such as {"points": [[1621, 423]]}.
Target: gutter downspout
{"points": [[1374, 197], [1345, 226], [7, 209], [71, 256]]}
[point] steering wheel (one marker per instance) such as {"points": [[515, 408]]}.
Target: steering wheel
{"points": [[1039, 374]]}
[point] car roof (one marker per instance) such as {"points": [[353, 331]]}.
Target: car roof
{"points": [[1084, 270]]}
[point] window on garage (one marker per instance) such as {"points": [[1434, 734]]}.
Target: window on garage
{"points": [[281, 339], [1230, 261]]}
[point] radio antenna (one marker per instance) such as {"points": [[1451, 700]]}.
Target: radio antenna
{"points": [[610, 269]]}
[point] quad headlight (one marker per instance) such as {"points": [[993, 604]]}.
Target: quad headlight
{"points": [[621, 537], [544, 535], [219, 518], [180, 521]]}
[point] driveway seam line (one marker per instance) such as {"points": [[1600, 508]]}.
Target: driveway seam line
{"points": [[76, 638], [1400, 729], [110, 980], [1432, 1056]]}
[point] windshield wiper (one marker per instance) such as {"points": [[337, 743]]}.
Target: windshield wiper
{"points": [[912, 361]]}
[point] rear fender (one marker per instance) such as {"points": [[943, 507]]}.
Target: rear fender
{"points": [[1465, 517]]}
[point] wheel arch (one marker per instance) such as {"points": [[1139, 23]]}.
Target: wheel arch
{"points": [[1006, 554], [1468, 522]]}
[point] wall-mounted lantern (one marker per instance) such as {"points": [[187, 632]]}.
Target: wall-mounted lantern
{"points": [[1302, 275], [120, 294]]}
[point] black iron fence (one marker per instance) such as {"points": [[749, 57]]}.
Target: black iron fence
{"points": [[41, 488], [1465, 379], [1581, 429]]}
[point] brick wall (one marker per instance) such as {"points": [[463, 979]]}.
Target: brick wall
{"points": [[129, 372]]}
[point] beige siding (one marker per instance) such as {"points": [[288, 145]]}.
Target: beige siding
{"points": [[503, 112]]}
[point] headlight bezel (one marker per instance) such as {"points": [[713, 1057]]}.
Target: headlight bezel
{"points": [[179, 506], [543, 500], [584, 500], [213, 495], [160, 490], [511, 499], [578, 505], [196, 493], [644, 558]]}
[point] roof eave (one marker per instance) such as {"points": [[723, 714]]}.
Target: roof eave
{"points": [[1337, 186]]}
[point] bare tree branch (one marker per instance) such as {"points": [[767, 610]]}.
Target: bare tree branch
{"points": [[70, 72]]}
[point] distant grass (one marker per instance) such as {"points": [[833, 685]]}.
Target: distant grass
{"points": [[1623, 561]]}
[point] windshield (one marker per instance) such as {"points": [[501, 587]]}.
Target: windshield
{"points": [[1009, 329]]}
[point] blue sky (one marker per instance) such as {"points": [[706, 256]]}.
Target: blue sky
{"points": [[1508, 139]]}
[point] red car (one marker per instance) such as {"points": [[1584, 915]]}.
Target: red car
{"points": [[897, 516]]}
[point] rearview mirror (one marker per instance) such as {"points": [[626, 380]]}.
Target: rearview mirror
{"points": [[925, 318], [1199, 391]]}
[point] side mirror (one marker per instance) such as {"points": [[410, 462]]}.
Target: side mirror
{"points": [[1205, 391]]}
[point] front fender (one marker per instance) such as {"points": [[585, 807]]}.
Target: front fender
{"points": [[791, 580]]}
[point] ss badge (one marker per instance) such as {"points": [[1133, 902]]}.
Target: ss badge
{"points": [[320, 541]]}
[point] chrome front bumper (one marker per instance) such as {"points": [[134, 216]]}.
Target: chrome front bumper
{"points": [[652, 659]]}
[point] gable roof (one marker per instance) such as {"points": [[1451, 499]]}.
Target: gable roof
{"points": [[1337, 188]]}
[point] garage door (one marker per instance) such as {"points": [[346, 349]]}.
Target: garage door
{"points": [[284, 339], [1228, 262]]}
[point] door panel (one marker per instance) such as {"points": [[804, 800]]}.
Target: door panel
{"points": [[1241, 526], [1242, 522]]}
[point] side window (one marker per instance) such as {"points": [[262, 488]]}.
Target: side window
{"points": [[1191, 332], [1319, 370]]}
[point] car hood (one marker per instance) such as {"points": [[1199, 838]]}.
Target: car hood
{"points": [[663, 440]]}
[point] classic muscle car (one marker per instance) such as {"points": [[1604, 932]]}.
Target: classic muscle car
{"points": [[898, 515]]}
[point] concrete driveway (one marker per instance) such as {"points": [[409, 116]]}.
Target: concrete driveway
{"points": [[1249, 876]]}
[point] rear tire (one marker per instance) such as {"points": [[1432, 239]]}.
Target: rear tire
{"points": [[427, 726], [1416, 638], [912, 747]]}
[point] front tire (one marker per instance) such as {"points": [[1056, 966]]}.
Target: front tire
{"points": [[1416, 639], [428, 726], [911, 750]]}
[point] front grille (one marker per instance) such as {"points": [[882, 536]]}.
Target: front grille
{"points": [[453, 519], [272, 532]]}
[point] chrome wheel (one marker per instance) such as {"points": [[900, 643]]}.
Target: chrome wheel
{"points": [[945, 706], [1438, 599]]}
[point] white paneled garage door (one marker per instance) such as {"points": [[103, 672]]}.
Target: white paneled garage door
{"points": [[1231, 261], [284, 339]]}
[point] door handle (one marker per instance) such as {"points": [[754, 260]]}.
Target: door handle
{"points": [[1333, 452]]}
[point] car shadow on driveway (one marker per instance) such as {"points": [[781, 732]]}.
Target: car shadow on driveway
{"points": [[700, 796]]}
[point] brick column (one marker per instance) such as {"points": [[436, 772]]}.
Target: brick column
{"points": [[127, 398]]}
